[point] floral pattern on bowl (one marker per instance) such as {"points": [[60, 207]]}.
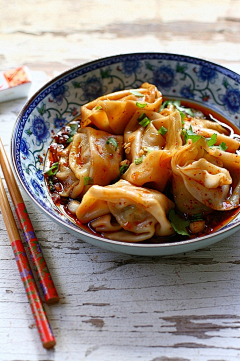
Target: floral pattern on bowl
{"points": [[60, 100]]}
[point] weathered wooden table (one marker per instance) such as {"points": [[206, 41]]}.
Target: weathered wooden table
{"points": [[114, 306]]}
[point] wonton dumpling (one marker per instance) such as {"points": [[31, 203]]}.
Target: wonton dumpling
{"points": [[112, 112], [155, 149], [232, 163], [207, 128], [140, 212], [199, 175], [70, 183], [91, 156], [89, 160]]}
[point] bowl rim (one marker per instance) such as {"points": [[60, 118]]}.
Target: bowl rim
{"points": [[78, 230]]}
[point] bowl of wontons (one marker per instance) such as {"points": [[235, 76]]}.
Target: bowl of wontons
{"points": [[135, 153]]}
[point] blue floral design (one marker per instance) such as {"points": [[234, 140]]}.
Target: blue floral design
{"points": [[207, 73], [59, 122], [24, 147], [92, 88], [39, 174], [231, 99], [131, 67], [40, 129], [38, 189], [163, 77], [187, 92], [60, 93]]}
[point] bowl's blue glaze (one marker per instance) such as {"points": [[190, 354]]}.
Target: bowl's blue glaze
{"points": [[60, 100]]}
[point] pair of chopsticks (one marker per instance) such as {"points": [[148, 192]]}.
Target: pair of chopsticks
{"points": [[44, 277]]}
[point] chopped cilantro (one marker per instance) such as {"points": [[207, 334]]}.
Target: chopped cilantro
{"points": [[178, 106], [189, 134], [211, 141], [162, 130], [179, 225], [222, 146]]}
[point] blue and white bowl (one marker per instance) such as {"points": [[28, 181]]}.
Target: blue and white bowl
{"points": [[60, 100]]}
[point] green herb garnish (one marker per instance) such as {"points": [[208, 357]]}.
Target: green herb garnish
{"points": [[51, 185], [179, 225], [144, 122], [197, 217], [142, 116], [98, 107], [72, 132], [88, 180], [113, 142], [222, 146], [211, 141], [162, 130], [189, 134], [141, 105], [53, 170], [138, 160], [123, 168], [178, 106]]}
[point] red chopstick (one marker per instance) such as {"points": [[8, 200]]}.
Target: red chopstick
{"points": [[38, 311], [43, 273]]}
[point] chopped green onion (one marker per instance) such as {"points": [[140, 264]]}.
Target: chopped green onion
{"points": [[162, 130], [88, 180], [113, 142], [123, 168], [179, 225], [141, 105], [142, 116], [136, 93], [53, 170], [98, 107], [138, 160], [145, 122]]}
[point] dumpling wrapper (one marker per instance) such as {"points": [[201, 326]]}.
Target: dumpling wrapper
{"points": [[202, 173], [89, 160], [156, 150], [207, 128], [70, 183], [112, 112], [141, 212]]}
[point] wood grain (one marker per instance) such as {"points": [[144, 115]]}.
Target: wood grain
{"points": [[114, 306]]}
